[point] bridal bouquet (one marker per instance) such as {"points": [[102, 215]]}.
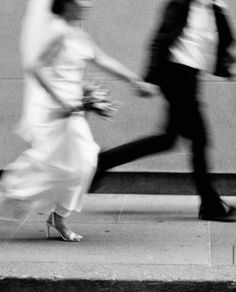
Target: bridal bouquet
{"points": [[97, 99]]}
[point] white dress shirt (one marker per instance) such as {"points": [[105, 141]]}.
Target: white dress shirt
{"points": [[196, 46]]}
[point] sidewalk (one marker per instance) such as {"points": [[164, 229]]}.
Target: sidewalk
{"points": [[126, 238]]}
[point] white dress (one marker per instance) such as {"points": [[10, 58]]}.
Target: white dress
{"points": [[63, 153]]}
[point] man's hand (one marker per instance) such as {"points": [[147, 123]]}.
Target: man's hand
{"points": [[145, 89]]}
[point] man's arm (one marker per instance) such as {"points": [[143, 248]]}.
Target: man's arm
{"points": [[174, 19], [225, 57]]}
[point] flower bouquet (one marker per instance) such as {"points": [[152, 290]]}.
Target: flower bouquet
{"points": [[97, 99]]}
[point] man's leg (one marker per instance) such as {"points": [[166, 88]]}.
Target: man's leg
{"points": [[130, 152], [191, 124], [134, 150], [212, 207], [187, 114]]}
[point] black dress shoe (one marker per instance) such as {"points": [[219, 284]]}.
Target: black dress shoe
{"points": [[217, 212]]}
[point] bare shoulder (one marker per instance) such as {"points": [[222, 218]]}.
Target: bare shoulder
{"points": [[58, 28], [82, 34], [53, 36]]}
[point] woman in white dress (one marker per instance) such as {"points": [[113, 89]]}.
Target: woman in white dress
{"points": [[63, 154]]}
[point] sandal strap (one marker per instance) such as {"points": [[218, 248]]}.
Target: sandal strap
{"points": [[75, 237]]}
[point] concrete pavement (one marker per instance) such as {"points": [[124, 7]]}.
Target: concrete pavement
{"points": [[148, 238]]}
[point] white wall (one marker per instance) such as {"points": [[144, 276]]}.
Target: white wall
{"points": [[123, 29]]}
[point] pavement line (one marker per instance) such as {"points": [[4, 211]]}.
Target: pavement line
{"points": [[19, 225], [233, 254], [209, 243], [121, 209]]}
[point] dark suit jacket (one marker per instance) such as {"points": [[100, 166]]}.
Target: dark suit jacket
{"points": [[174, 20]]}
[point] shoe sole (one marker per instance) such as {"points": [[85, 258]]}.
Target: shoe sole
{"points": [[230, 217]]}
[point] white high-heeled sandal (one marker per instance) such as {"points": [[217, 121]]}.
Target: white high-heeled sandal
{"points": [[72, 236]]}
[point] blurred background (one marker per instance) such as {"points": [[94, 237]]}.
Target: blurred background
{"points": [[123, 29]]}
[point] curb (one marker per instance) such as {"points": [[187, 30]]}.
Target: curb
{"points": [[13, 284]]}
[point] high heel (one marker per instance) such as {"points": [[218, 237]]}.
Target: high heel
{"points": [[65, 233], [47, 230]]}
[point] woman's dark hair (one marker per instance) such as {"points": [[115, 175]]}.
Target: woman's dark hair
{"points": [[58, 6]]}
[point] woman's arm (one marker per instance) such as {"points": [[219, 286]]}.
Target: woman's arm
{"points": [[114, 67], [44, 56]]}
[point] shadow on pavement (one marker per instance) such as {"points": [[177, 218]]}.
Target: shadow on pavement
{"points": [[22, 285]]}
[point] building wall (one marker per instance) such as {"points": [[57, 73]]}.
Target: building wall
{"points": [[123, 29]]}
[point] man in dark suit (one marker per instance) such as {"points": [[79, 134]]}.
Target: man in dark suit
{"points": [[193, 36]]}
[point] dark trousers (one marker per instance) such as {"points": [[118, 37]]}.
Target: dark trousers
{"points": [[179, 86]]}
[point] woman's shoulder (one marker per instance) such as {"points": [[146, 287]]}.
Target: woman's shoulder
{"points": [[81, 34], [83, 42], [58, 27]]}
